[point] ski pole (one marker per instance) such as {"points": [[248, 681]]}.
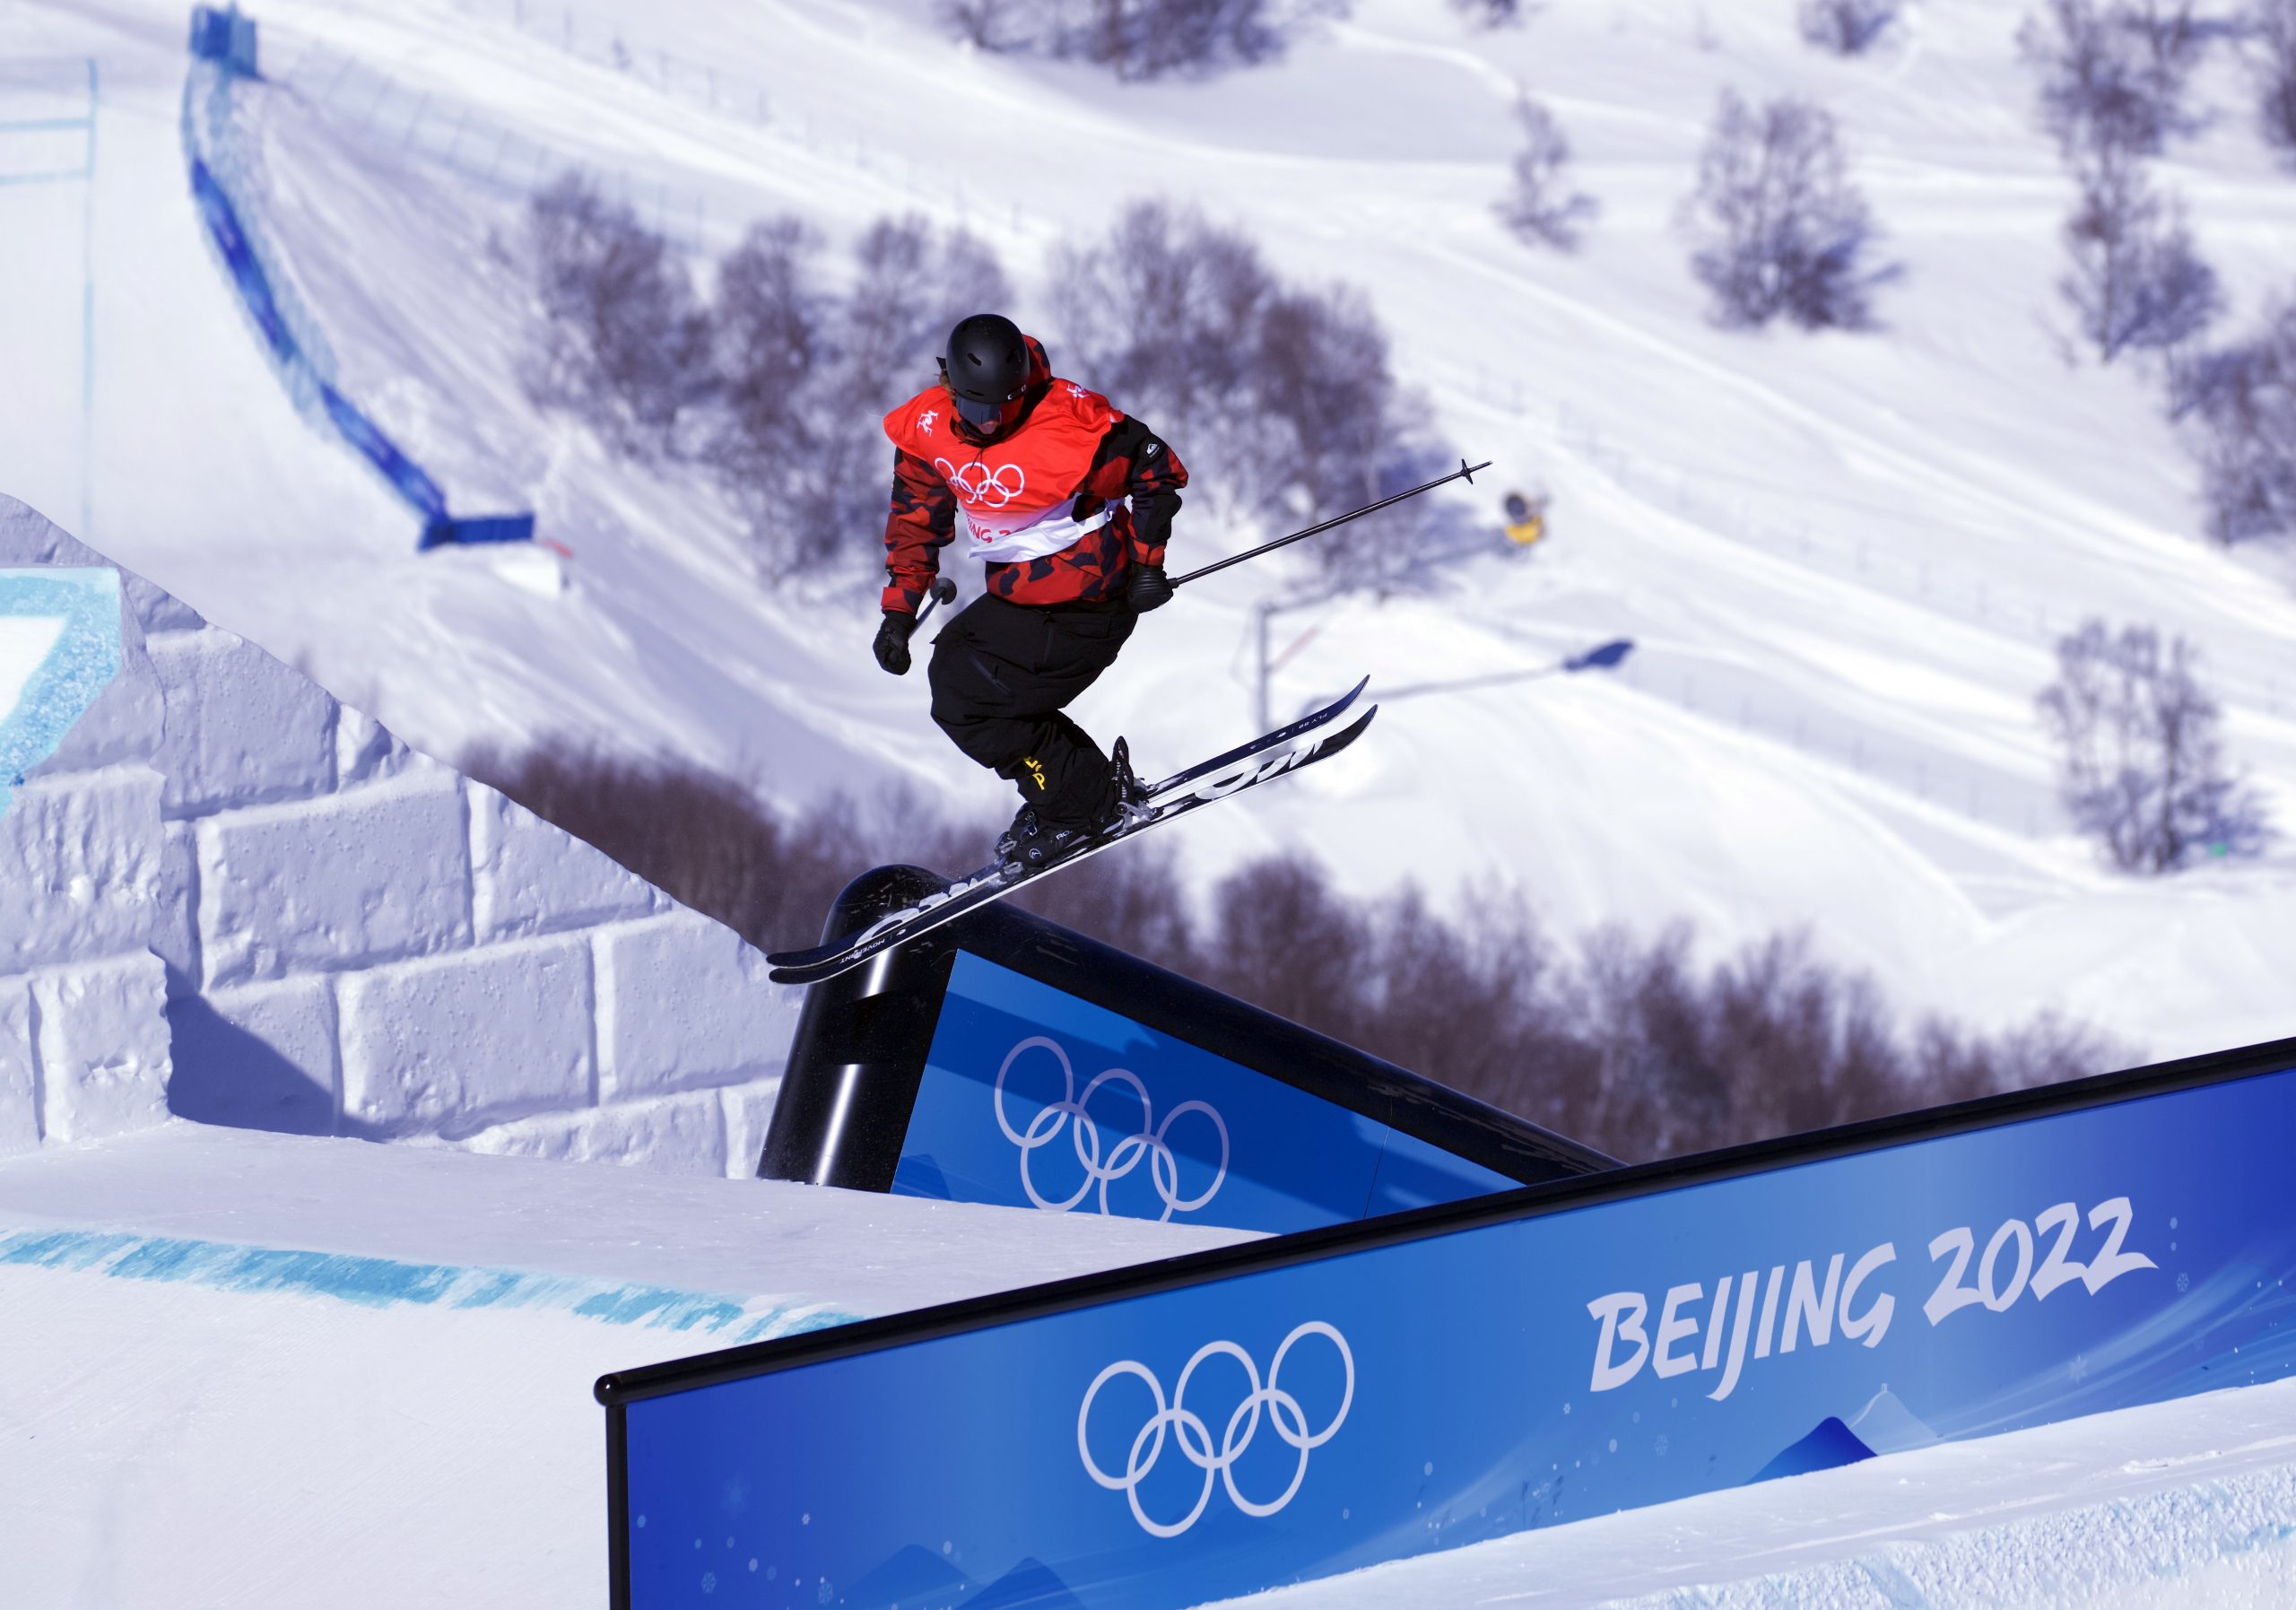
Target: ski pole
{"points": [[942, 591], [1465, 472]]}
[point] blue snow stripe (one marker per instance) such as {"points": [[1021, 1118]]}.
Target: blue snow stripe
{"points": [[384, 1282]]}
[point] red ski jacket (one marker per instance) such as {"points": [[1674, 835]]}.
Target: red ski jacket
{"points": [[1043, 501]]}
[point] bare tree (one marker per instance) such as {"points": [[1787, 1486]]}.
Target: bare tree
{"points": [[1497, 14], [772, 338], [2272, 30], [1540, 206], [1778, 228], [1140, 39], [1282, 399], [625, 341], [2113, 78], [807, 374], [2134, 280], [2238, 410], [989, 24], [911, 284], [2141, 765], [1845, 27]]}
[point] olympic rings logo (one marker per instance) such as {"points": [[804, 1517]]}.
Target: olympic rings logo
{"points": [[1194, 1437], [977, 483], [1163, 1166]]}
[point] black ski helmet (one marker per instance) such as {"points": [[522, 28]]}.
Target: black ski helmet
{"points": [[986, 368]]}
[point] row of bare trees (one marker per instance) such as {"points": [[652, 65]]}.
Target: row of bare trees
{"points": [[1281, 396], [2113, 80], [1641, 1047], [775, 384], [1138, 40]]}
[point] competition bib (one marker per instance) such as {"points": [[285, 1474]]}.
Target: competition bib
{"points": [[1017, 497]]}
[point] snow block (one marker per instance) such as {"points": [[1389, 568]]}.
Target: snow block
{"points": [[101, 1038], [242, 730], [174, 928], [18, 1089], [366, 751], [82, 860], [682, 1001], [749, 1113], [27, 537], [123, 725], [529, 878], [443, 1045], [672, 1135], [258, 1058], [88, 700], [329, 884]]}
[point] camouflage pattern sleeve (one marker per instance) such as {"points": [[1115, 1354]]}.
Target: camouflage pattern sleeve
{"points": [[1134, 462], [922, 521]]}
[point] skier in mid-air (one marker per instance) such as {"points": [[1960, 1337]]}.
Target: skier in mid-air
{"points": [[1041, 470]]}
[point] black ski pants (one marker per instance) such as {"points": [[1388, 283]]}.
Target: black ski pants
{"points": [[1002, 673]]}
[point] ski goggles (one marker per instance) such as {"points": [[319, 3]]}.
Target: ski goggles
{"points": [[982, 414]]}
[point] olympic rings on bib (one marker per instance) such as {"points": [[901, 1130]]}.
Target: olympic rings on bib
{"points": [[977, 483]]}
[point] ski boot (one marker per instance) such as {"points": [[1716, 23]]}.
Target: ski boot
{"points": [[1031, 843], [1023, 826]]}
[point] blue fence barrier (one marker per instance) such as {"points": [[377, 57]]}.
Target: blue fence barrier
{"points": [[1336, 1398], [224, 46]]}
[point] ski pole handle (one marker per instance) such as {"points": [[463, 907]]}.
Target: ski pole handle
{"points": [[942, 591]]}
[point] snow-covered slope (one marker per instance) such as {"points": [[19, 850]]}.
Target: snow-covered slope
{"points": [[1844, 558], [260, 1370]]}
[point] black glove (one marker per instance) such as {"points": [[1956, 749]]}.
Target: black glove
{"points": [[1147, 590], [892, 647]]}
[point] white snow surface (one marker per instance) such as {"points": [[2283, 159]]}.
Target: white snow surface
{"points": [[186, 1424], [1844, 558], [2189, 1503], [856, 1253]]}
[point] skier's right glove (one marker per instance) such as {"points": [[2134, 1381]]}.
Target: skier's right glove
{"points": [[892, 647], [1147, 590]]}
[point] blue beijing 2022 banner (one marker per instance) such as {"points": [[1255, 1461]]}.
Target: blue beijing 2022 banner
{"points": [[1033, 1097], [1367, 1404]]}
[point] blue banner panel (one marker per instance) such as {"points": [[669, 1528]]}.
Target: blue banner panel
{"points": [[1382, 1391], [1033, 1097]]}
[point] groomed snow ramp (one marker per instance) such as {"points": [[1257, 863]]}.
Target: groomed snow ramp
{"points": [[1320, 1402]]}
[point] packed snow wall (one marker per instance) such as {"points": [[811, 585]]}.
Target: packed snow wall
{"points": [[1315, 1403], [225, 895]]}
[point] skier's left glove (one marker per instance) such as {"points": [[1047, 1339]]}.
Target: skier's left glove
{"points": [[1147, 590], [892, 647]]}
